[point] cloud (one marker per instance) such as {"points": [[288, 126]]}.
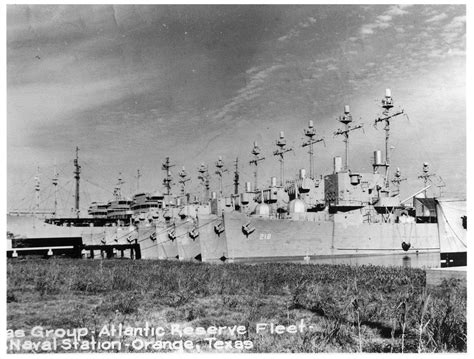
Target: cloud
{"points": [[454, 30], [92, 85], [293, 33], [382, 21], [249, 92], [396, 11], [367, 29], [437, 18], [53, 102], [251, 70], [456, 23], [456, 52], [384, 18]]}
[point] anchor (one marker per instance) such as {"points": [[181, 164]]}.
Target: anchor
{"points": [[172, 235], [219, 228], [194, 233], [406, 246], [248, 229]]}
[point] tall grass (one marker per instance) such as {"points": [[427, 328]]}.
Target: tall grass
{"points": [[354, 308]]}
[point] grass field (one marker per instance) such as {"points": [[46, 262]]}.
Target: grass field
{"points": [[344, 308]]}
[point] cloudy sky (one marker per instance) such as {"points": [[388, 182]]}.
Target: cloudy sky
{"points": [[131, 85]]}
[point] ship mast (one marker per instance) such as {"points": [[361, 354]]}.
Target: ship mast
{"points": [[183, 178], [55, 184], [397, 179], [139, 175], [256, 158], [425, 176], [310, 132], [236, 176], [346, 119], [168, 179], [220, 171], [281, 150], [77, 172], [204, 177], [118, 188], [387, 105], [37, 192]]}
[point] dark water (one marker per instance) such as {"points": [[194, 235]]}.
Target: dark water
{"points": [[413, 260]]}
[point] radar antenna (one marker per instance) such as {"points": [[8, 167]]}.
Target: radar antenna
{"points": [[167, 181], [387, 115], [310, 132], [281, 150], [118, 187], [346, 119], [256, 159], [183, 178], [426, 175], [397, 180]]}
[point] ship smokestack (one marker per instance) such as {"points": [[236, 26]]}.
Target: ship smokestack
{"points": [[248, 187], [273, 181], [302, 173], [347, 109], [337, 164], [311, 124], [282, 134], [388, 93], [378, 158]]}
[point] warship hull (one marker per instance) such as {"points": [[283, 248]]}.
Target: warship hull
{"points": [[29, 227], [213, 245], [299, 240], [156, 243], [322, 238]]}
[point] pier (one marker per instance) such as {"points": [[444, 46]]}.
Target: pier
{"points": [[106, 251]]}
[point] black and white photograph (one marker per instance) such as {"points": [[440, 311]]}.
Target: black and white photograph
{"points": [[236, 178]]}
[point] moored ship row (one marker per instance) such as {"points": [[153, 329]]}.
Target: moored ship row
{"points": [[344, 216]]}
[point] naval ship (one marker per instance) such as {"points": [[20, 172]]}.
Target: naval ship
{"points": [[183, 228], [344, 216]]}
